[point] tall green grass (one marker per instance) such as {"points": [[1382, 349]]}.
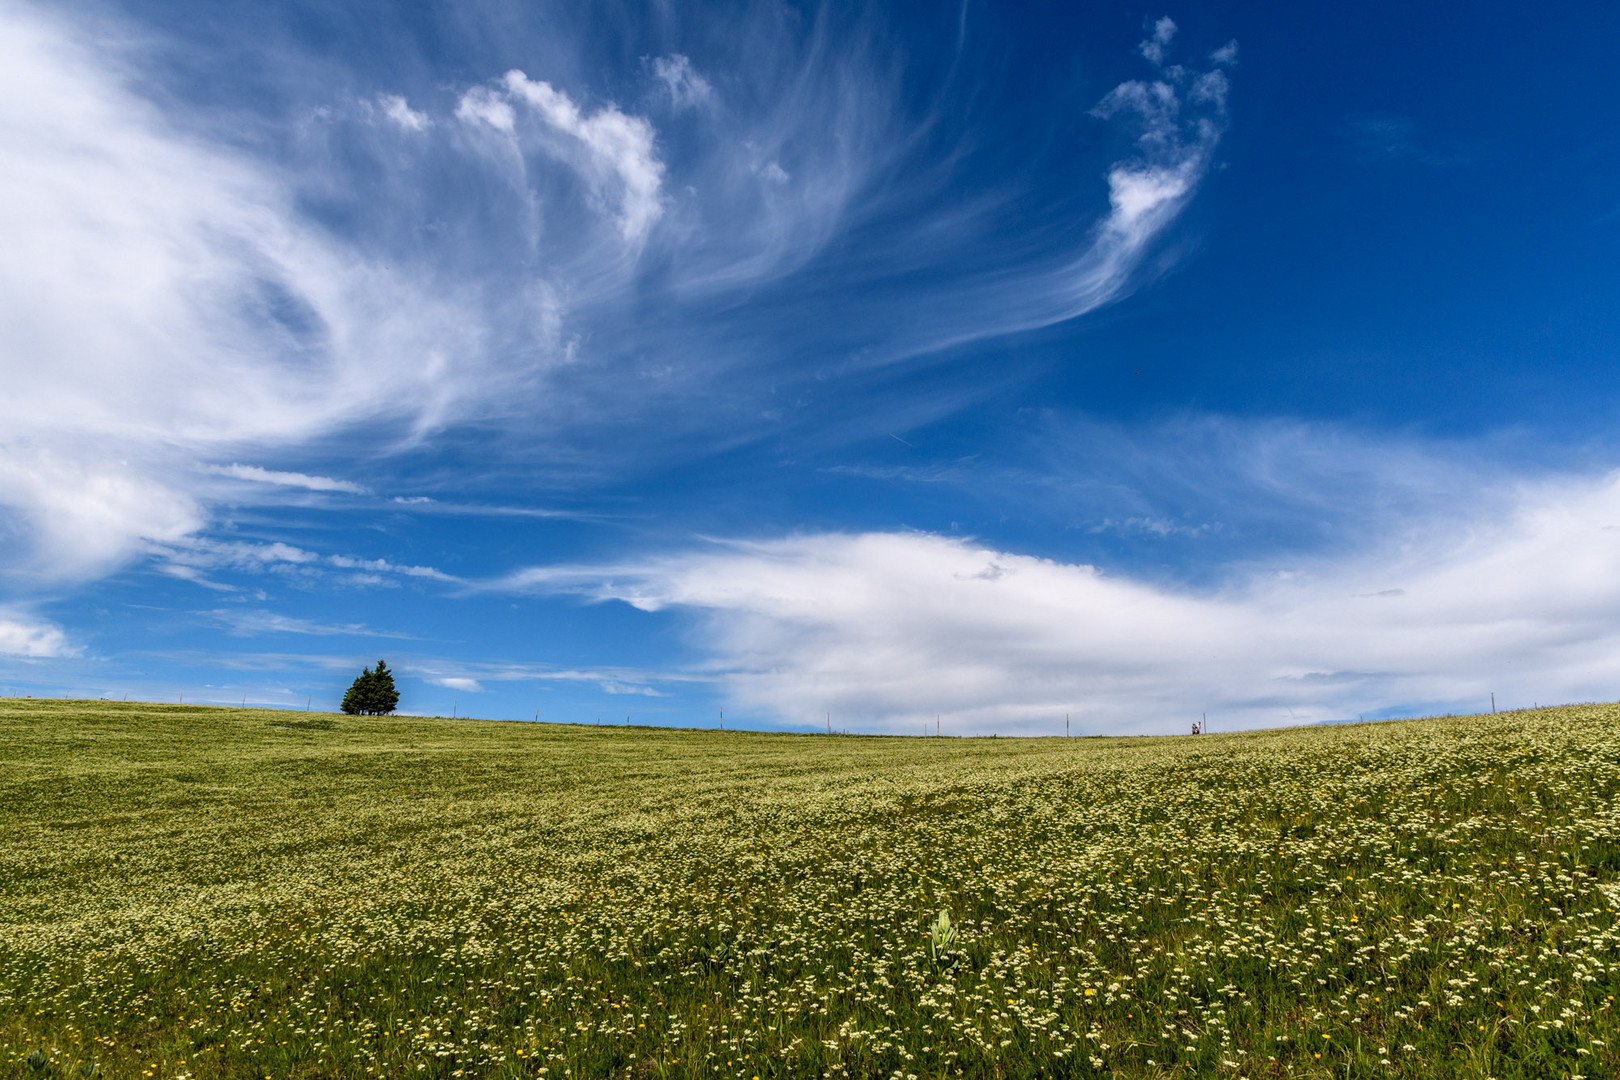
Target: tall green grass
{"points": [[228, 893]]}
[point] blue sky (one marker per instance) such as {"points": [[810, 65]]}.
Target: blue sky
{"points": [[994, 364]]}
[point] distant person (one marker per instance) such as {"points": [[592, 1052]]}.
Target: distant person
{"points": [[1195, 727]]}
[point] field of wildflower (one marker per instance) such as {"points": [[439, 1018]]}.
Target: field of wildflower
{"points": [[194, 892]]}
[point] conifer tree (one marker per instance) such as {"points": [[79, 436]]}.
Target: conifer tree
{"points": [[358, 696], [383, 695], [372, 693]]}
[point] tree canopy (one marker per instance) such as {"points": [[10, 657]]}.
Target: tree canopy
{"points": [[372, 693]]}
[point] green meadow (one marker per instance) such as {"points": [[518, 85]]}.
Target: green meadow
{"points": [[202, 892]]}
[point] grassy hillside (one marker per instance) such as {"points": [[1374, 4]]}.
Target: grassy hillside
{"points": [[205, 892]]}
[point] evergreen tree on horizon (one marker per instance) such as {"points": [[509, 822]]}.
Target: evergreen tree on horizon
{"points": [[372, 693]]}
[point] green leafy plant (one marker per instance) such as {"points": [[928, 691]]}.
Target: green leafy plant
{"points": [[941, 935]]}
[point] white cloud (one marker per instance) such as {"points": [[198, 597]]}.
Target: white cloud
{"points": [[85, 512], [1158, 42], [1140, 198], [255, 474], [486, 105], [454, 682], [886, 628], [1146, 193], [613, 151], [161, 301], [1211, 88], [687, 89], [399, 111], [25, 637]]}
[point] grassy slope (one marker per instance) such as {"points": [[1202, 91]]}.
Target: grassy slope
{"points": [[208, 892]]}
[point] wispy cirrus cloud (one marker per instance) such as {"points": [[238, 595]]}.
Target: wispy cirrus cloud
{"points": [[1179, 117], [1008, 280], [164, 301], [258, 623], [530, 255]]}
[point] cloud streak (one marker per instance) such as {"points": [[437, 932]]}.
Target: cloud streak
{"points": [[254, 474], [194, 558], [256, 623], [617, 681]]}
